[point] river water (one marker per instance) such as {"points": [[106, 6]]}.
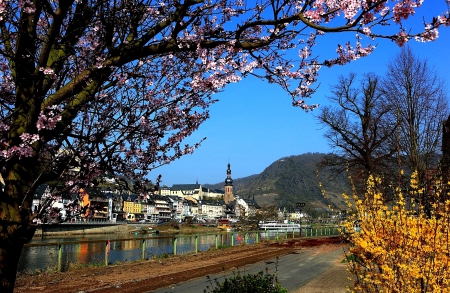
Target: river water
{"points": [[120, 247]]}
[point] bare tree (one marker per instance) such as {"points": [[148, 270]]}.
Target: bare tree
{"points": [[265, 213], [414, 90], [357, 128]]}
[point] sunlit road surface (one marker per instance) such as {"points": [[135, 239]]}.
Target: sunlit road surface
{"points": [[294, 271]]}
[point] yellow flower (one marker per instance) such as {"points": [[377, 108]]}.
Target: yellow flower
{"points": [[399, 248]]}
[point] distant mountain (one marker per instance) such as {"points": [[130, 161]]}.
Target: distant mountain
{"points": [[290, 180]]}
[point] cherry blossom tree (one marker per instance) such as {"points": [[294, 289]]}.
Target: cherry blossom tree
{"points": [[93, 86]]}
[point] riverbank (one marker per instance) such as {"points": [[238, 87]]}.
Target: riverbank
{"points": [[79, 229], [125, 228], [185, 229]]}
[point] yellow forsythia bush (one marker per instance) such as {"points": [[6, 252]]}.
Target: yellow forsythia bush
{"points": [[399, 247]]}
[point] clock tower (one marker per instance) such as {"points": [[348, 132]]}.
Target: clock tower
{"points": [[228, 196]]}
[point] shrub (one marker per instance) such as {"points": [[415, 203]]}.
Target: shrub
{"points": [[163, 255], [399, 247], [250, 283]]}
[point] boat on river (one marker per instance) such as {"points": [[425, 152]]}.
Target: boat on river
{"points": [[224, 225], [279, 227], [143, 230]]}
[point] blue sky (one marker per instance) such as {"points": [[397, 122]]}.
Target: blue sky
{"points": [[254, 123]]}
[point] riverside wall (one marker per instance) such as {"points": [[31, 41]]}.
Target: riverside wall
{"points": [[80, 229]]}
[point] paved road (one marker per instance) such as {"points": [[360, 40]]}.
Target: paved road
{"points": [[294, 271]]}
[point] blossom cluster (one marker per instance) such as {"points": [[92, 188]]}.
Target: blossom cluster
{"points": [[48, 119]]}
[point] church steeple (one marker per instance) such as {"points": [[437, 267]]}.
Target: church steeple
{"points": [[228, 196]]}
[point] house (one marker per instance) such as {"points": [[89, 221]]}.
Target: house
{"points": [[214, 194], [130, 204], [149, 210], [164, 190], [118, 214], [176, 204], [162, 208], [42, 192], [187, 209], [94, 203], [51, 207], [252, 206], [211, 209]]}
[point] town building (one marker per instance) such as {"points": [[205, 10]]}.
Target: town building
{"points": [[176, 205], [183, 190], [164, 190], [95, 204], [187, 210], [196, 191], [131, 206], [211, 209], [162, 208]]}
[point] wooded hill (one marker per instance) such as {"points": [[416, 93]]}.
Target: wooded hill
{"points": [[290, 180]]}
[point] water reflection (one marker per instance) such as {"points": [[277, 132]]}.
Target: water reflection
{"points": [[79, 252]]}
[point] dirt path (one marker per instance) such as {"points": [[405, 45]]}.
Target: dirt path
{"points": [[143, 276]]}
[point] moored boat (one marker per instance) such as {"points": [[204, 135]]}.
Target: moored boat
{"points": [[224, 224], [279, 227]]}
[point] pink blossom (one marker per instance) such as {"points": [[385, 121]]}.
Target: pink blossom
{"points": [[401, 38], [48, 71], [367, 31], [48, 119], [27, 6]]}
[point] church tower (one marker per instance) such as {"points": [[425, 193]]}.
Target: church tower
{"points": [[228, 197]]}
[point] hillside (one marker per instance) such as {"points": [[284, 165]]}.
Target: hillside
{"points": [[290, 180]]}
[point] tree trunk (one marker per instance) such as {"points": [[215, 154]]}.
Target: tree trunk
{"points": [[16, 228], [12, 239], [10, 250], [445, 161]]}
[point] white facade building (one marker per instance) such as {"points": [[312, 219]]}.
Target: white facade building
{"points": [[211, 209]]}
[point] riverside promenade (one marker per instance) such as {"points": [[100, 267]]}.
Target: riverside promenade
{"points": [[298, 264]]}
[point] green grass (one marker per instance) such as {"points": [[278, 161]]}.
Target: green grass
{"points": [[247, 283], [163, 255], [350, 258]]}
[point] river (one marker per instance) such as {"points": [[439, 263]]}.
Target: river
{"points": [[90, 249]]}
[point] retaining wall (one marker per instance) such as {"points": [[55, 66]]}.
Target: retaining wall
{"points": [[80, 229]]}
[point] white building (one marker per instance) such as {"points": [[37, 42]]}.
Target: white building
{"points": [[211, 209], [193, 190]]}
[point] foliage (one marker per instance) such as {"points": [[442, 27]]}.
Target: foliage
{"points": [[163, 255], [399, 248], [248, 283], [223, 246]]}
